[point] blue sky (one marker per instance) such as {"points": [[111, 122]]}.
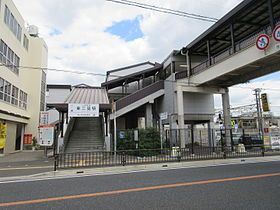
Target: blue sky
{"points": [[128, 30], [272, 77], [55, 32]]}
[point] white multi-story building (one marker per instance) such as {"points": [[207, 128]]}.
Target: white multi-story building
{"points": [[23, 55]]}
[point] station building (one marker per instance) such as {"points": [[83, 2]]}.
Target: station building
{"points": [[23, 54]]}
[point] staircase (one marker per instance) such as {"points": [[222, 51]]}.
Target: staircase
{"points": [[86, 136]]}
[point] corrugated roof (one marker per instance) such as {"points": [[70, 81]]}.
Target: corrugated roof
{"points": [[87, 95]]}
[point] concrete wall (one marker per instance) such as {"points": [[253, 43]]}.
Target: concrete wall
{"points": [[166, 102], [198, 103]]}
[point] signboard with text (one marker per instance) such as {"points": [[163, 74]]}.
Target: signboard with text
{"points": [[83, 110], [265, 104], [44, 118], [275, 142], [46, 136]]}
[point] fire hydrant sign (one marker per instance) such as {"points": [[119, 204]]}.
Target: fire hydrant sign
{"points": [[46, 136], [83, 110]]}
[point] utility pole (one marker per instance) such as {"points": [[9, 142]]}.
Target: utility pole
{"points": [[259, 111]]}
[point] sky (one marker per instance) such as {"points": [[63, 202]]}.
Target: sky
{"points": [[97, 36]]}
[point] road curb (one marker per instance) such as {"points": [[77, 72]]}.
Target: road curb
{"points": [[75, 173]]}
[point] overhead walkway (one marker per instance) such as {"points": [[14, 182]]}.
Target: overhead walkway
{"points": [[226, 54]]}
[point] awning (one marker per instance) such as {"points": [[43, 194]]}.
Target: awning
{"points": [[89, 95]]}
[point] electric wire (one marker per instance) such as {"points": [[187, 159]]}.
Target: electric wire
{"points": [[117, 76], [165, 10]]}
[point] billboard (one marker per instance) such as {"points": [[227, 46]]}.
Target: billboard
{"points": [[83, 110], [265, 104]]}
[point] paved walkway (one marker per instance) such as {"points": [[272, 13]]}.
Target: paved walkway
{"points": [[25, 155], [24, 163]]}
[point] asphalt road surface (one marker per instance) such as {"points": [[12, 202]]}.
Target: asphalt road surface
{"points": [[244, 186]]}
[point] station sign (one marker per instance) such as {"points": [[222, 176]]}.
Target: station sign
{"points": [[83, 110], [276, 33], [263, 41]]}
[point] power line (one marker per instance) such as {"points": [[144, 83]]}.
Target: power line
{"points": [[172, 10], [117, 76], [166, 10]]}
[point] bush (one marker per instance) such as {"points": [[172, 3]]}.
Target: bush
{"points": [[148, 139]]}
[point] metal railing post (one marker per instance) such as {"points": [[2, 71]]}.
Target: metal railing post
{"points": [[55, 162]]}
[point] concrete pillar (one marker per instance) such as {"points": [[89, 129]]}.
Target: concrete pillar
{"points": [[149, 115], [227, 117], [181, 118]]}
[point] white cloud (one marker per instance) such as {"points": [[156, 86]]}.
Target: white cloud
{"points": [[83, 23]]}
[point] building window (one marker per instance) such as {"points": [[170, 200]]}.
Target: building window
{"points": [[25, 42], [8, 57], [7, 91], [12, 23], [14, 96], [23, 100], [1, 89]]}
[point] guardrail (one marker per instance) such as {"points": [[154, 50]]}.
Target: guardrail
{"points": [[123, 102], [130, 157]]}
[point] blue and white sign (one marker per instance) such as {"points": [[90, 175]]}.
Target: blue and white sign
{"points": [[262, 41], [276, 33], [83, 110]]}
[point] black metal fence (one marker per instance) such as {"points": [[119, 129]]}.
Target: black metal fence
{"points": [[175, 154]]}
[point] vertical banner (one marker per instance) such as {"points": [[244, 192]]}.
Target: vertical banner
{"points": [[3, 135]]}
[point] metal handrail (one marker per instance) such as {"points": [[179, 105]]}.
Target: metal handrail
{"points": [[123, 102]]}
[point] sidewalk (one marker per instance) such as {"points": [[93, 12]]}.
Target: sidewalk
{"points": [[25, 155], [137, 168]]}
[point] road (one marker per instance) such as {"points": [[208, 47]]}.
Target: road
{"points": [[243, 186]]}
